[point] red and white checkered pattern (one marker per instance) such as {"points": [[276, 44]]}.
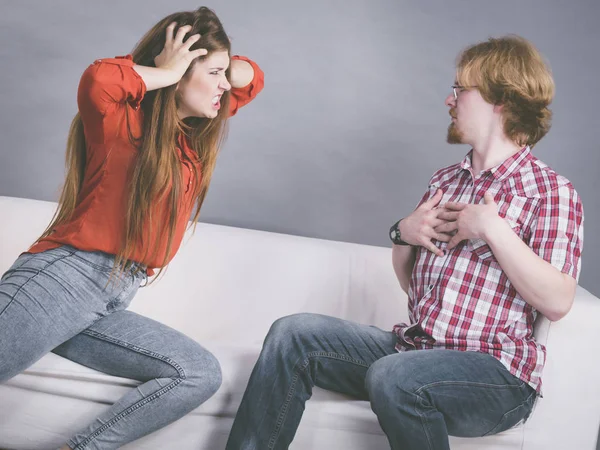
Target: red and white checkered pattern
{"points": [[463, 300]]}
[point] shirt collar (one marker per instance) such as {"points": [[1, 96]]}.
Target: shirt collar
{"points": [[505, 169]]}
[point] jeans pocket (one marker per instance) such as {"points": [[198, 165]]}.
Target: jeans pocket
{"points": [[128, 287], [514, 417], [101, 261]]}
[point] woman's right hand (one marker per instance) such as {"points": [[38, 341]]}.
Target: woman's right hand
{"points": [[176, 57]]}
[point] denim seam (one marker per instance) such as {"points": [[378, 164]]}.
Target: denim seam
{"points": [[15, 268], [468, 383], [31, 278], [419, 399], [140, 403], [503, 417], [302, 368], [523, 403]]}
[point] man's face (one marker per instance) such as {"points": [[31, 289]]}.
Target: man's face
{"points": [[471, 115]]}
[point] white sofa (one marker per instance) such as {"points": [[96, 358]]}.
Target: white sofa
{"points": [[225, 288]]}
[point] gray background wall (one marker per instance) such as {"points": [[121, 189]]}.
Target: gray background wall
{"points": [[351, 123]]}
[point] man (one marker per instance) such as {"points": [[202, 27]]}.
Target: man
{"points": [[495, 241]]}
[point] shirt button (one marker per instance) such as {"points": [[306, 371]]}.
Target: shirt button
{"points": [[430, 287]]}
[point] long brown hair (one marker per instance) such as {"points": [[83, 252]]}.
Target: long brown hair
{"points": [[156, 176]]}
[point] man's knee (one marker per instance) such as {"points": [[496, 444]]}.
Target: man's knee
{"points": [[380, 378], [394, 378], [293, 328]]}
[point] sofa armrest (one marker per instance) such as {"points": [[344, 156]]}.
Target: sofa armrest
{"points": [[568, 415]]}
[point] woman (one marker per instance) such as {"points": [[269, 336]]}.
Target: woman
{"points": [[140, 156]]}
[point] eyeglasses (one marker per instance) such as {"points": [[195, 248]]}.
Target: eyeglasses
{"points": [[457, 89]]}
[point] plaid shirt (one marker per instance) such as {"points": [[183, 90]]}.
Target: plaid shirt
{"points": [[463, 300]]}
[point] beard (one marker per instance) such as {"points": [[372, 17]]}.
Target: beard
{"points": [[454, 135]]}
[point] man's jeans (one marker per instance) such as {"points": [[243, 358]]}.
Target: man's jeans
{"points": [[419, 397]]}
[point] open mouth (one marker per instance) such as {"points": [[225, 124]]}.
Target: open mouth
{"points": [[216, 101]]}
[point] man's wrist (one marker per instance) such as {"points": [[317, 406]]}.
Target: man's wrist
{"points": [[396, 235], [494, 229]]}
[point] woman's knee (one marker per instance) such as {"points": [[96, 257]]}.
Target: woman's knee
{"points": [[201, 375], [15, 358]]}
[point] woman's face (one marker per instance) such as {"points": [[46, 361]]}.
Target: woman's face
{"points": [[200, 91]]}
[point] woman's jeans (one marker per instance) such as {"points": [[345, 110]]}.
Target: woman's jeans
{"points": [[61, 300]]}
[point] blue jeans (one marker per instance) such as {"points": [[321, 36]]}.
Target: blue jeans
{"points": [[61, 300], [419, 397]]}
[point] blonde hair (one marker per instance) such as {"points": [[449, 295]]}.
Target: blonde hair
{"points": [[511, 72]]}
